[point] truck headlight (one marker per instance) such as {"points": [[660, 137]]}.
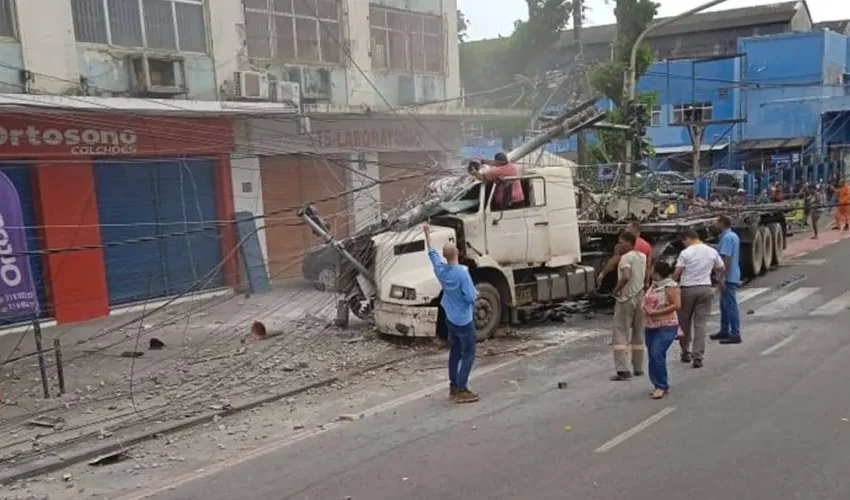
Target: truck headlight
{"points": [[400, 292]]}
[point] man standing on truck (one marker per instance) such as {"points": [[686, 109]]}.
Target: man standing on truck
{"points": [[695, 267], [628, 310], [730, 250], [458, 302], [497, 170]]}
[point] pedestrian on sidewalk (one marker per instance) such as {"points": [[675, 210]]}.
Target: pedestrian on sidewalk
{"points": [[458, 301], [695, 269], [814, 205], [660, 305], [730, 251], [628, 313], [842, 214]]}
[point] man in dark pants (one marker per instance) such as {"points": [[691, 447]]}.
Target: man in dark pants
{"points": [[458, 301], [730, 249]]}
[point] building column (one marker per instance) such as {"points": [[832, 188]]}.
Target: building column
{"points": [[359, 37], [48, 45], [366, 202], [225, 211], [68, 214], [248, 194]]}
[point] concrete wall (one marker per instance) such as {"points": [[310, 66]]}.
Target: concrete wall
{"points": [[47, 42], [248, 192], [12, 59]]}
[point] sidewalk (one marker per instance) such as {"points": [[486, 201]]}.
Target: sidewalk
{"points": [[801, 243], [208, 361]]}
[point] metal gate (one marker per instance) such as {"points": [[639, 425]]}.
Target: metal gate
{"points": [[158, 225]]}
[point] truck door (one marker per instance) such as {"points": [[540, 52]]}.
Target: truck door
{"points": [[537, 221], [505, 227]]}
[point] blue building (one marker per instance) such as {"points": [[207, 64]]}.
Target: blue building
{"points": [[781, 105]]}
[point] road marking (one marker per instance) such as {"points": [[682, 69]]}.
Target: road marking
{"points": [[809, 262], [774, 348], [634, 430], [745, 295], [779, 305], [833, 307], [216, 468]]}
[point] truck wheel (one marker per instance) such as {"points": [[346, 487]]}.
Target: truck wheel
{"points": [[752, 256], [488, 311], [778, 242], [767, 240]]}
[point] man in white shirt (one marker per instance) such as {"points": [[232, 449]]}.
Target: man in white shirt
{"points": [[695, 269]]}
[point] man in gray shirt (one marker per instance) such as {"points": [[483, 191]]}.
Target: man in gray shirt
{"points": [[628, 314], [695, 268]]}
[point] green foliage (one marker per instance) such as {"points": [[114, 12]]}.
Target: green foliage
{"points": [[495, 63], [607, 78], [462, 26]]}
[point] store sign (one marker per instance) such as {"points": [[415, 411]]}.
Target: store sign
{"points": [[76, 141], [17, 290], [386, 139]]}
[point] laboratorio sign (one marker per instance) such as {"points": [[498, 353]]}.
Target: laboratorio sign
{"points": [[80, 141]]}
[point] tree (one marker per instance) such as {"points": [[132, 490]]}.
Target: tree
{"points": [[462, 26], [633, 16], [499, 62]]}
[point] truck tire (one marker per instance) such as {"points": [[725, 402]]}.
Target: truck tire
{"points": [[752, 256], [778, 242], [488, 311], [767, 244]]}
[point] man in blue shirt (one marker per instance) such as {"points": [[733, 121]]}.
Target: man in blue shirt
{"points": [[730, 316], [458, 302]]}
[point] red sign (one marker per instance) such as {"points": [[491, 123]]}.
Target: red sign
{"points": [[106, 135]]}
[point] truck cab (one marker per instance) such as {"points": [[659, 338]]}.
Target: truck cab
{"points": [[518, 255]]}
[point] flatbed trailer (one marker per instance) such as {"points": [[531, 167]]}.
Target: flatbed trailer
{"points": [[763, 230]]}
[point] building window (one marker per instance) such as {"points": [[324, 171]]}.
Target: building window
{"points": [[655, 116], [406, 41], [723, 93], [7, 19], [294, 30], [153, 24], [693, 113]]}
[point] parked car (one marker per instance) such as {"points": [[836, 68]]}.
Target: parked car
{"points": [[319, 266]]}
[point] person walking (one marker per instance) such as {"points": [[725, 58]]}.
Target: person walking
{"points": [[730, 251], [660, 305], [814, 203], [627, 335], [458, 301], [695, 268]]}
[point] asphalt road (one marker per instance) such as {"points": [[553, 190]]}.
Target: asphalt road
{"points": [[765, 420]]}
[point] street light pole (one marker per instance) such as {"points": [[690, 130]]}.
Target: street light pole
{"points": [[631, 73]]}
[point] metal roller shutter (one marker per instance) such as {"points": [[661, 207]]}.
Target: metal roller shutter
{"points": [[399, 174], [143, 199], [21, 176], [291, 181]]}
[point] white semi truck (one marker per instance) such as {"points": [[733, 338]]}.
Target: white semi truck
{"points": [[519, 257]]}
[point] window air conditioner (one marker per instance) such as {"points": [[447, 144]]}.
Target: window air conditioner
{"points": [[251, 85], [285, 92]]}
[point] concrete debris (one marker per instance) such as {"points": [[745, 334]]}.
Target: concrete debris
{"points": [[132, 354], [110, 458], [155, 344], [562, 385], [348, 417], [50, 422]]}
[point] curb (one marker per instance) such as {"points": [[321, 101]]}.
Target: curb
{"points": [[83, 453]]}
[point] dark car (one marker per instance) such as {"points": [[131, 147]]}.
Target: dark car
{"points": [[319, 266]]}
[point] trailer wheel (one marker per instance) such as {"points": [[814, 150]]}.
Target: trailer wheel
{"points": [[767, 240], [778, 242], [488, 311], [752, 256]]}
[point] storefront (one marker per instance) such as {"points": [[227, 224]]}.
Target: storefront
{"points": [[353, 169], [146, 197]]}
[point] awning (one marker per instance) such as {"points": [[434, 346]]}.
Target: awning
{"points": [[768, 144], [687, 148]]}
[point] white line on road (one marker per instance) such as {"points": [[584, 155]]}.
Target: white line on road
{"points": [[834, 306], [779, 305], [774, 348], [634, 430], [745, 295]]}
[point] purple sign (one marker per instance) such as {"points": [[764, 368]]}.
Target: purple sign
{"points": [[18, 298]]}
